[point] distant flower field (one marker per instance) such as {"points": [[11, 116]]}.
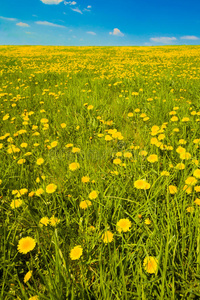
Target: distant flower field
{"points": [[99, 172]]}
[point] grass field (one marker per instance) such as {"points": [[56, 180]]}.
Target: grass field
{"points": [[99, 172]]}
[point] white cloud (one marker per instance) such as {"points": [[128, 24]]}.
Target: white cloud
{"points": [[163, 39], [77, 10], [8, 19], [22, 24], [70, 2], [91, 32], [89, 6], [189, 37], [45, 23], [52, 1], [116, 32]]}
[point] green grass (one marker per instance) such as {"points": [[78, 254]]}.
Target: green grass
{"points": [[59, 84]]}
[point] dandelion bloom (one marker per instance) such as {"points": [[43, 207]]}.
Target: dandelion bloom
{"points": [[185, 155], [197, 201], [54, 144], [147, 221], [44, 221], [85, 179], [39, 192], [197, 188], [16, 203], [180, 166], [141, 184], [51, 188], [21, 161], [26, 244], [27, 276], [150, 264], [85, 204], [172, 189], [108, 138], [107, 237], [191, 180], [54, 221], [74, 166], [152, 158], [165, 173], [93, 195], [196, 173], [76, 150], [187, 189], [40, 161], [90, 107], [63, 125], [117, 161], [34, 298], [123, 225], [76, 252], [190, 209]]}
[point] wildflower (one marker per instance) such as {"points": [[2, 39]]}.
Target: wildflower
{"points": [[190, 209], [152, 158], [197, 188], [107, 237], [93, 195], [85, 204], [21, 161], [44, 221], [118, 154], [54, 221], [69, 145], [197, 201], [74, 166], [90, 107], [76, 252], [130, 115], [165, 173], [180, 166], [40, 161], [143, 153], [63, 125], [187, 189], [128, 154], [16, 203], [39, 192], [27, 276], [51, 188], [123, 225], [26, 244], [191, 180], [85, 179], [150, 264], [34, 298], [31, 194], [172, 189], [117, 161], [147, 221], [54, 144], [185, 155], [141, 184], [76, 150], [108, 138], [196, 173], [24, 145]]}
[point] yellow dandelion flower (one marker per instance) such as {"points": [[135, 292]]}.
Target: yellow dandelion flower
{"points": [[123, 225], [147, 221], [141, 184], [69, 145], [172, 189], [54, 221], [128, 154], [165, 173], [27, 276], [63, 125], [187, 189], [85, 179], [152, 158], [76, 252], [150, 264], [44, 221], [130, 115], [76, 150], [190, 209], [85, 204], [39, 192], [34, 298], [107, 237], [93, 195], [54, 144], [74, 166], [24, 145], [117, 161], [40, 161], [197, 188], [26, 244], [51, 188], [90, 107], [21, 161], [180, 166], [197, 201], [185, 155], [196, 173], [108, 138], [16, 203], [191, 180]]}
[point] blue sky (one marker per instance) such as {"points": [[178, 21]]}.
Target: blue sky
{"points": [[100, 22]]}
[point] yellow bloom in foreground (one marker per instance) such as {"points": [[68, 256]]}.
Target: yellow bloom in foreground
{"points": [[152, 158], [16, 203], [107, 237], [190, 209], [117, 161], [123, 225], [40, 161], [76, 252], [196, 173], [141, 184], [150, 264], [172, 189], [180, 166], [63, 125], [93, 195], [147, 221], [51, 188], [197, 188], [26, 244], [185, 155], [197, 201], [21, 161], [85, 204], [54, 221], [54, 144], [74, 166], [39, 192], [165, 173], [27, 276], [191, 180]]}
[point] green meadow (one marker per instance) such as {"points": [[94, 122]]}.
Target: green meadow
{"points": [[99, 173]]}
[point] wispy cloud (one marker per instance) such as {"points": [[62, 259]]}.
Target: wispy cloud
{"points": [[45, 23], [8, 19], [70, 3], [116, 32], [91, 32], [163, 39], [51, 1], [77, 10], [21, 24], [189, 37]]}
